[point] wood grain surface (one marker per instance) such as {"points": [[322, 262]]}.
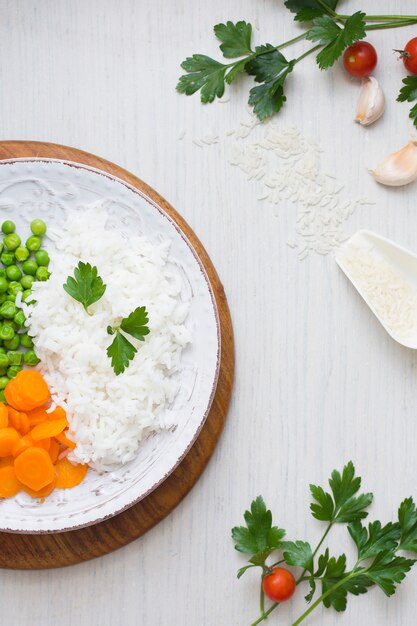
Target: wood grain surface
{"points": [[19, 551]]}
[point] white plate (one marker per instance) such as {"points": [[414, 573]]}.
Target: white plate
{"points": [[50, 189]]}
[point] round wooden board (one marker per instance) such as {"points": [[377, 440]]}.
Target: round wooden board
{"points": [[60, 549]]}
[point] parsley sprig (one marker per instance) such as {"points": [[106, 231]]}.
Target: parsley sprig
{"points": [[380, 560], [331, 31], [408, 93], [86, 286], [121, 351]]}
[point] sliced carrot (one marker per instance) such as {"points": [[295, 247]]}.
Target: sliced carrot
{"points": [[62, 438], [9, 484], [57, 413], [42, 493], [19, 420], [13, 397], [49, 429], [6, 460], [4, 416], [8, 439], [23, 444], [69, 475], [54, 450], [34, 468], [37, 416], [32, 388], [43, 443]]}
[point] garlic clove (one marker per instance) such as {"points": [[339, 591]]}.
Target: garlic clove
{"points": [[371, 102], [399, 168]]}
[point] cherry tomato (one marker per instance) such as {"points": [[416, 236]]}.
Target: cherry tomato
{"points": [[279, 585], [409, 56], [360, 59]]}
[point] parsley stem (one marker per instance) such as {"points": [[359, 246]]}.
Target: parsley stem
{"points": [[328, 9], [397, 24], [305, 54], [265, 615], [291, 41], [323, 596], [262, 599], [381, 18]]}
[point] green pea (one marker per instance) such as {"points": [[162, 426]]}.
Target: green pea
{"points": [[2, 350], [12, 344], [15, 357], [38, 227], [13, 272], [27, 281], [2, 396], [26, 341], [42, 258], [2, 272], [6, 333], [27, 296], [3, 371], [33, 243], [20, 319], [7, 258], [13, 371], [3, 298], [12, 241], [11, 297], [42, 273], [3, 382], [30, 358], [8, 227], [4, 361], [14, 288], [4, 284], [21, 253], [29, 267], [8, 310]]}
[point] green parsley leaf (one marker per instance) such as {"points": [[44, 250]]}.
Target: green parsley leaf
{"points": [[259, 537], [87, 287], [386, 570], [136, 323], [408, 93], [235, 38], [374, 540], [121, 352], [334, 38], [344, 506], [307, 10], [271, 69], [407, 519], [205, 74], [334, 574], [298, 554]]}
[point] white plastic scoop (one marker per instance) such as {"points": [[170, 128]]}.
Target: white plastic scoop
{"points": [[385, 275]]}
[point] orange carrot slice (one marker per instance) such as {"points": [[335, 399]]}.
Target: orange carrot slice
{"points": [[6, 460], [9, 484], [49, 429], [62, 438], [18, 420], [57, 413], [42, 493], [54, 450], [32, 388], [4, 416], [69, 475], [37, 416], [34, 468], [23, 444], [8, 439]]}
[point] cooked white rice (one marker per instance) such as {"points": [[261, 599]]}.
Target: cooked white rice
{"points": [[109, 415]]}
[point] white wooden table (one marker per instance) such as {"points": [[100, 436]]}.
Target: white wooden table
{"points": [[318, 381]]}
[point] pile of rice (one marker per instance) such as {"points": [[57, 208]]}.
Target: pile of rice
{"points": [[109, 415]]}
